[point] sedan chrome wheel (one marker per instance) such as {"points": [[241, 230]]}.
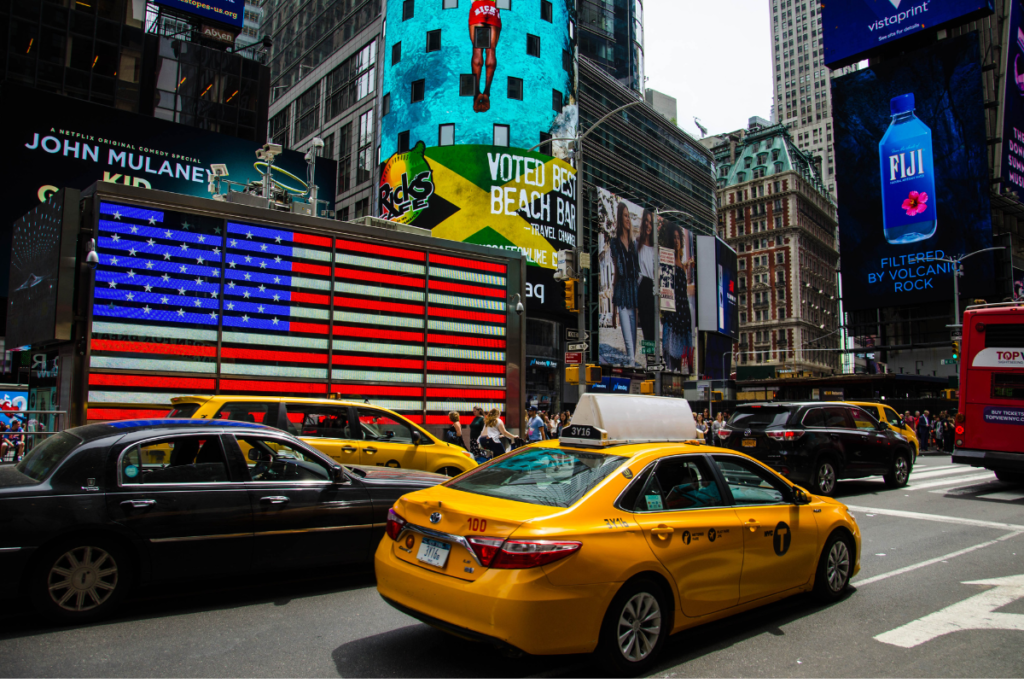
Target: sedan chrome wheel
{"points": [[82, 579], [826, 478], [901, 470], [639, 627], [837, 567]]}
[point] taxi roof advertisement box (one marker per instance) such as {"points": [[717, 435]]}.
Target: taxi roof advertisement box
{"points": [[855, 29], [468, 89], [910, 146]]}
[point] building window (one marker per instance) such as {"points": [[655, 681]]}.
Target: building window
{"points": [[743, 264], [403, 141], [533, 45], [450, 4], [343, 214], [482, 38], [408, 9], [280, 128], [417, 90], [546, 10], [780, 257], [362, 208], [545, 137], [345, 154], [515, 88], [567, 61], [365, 162], [446, 134], [778, 221], [433, 40], [328, 151], [385, 105], [467, 85], [556, 100], [504, 4], [743, 318], [352, 80], [501, 135], [307, 112], [396, 53]]}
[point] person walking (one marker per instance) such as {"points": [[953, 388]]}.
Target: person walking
{"points": [[494, 429], [535, 428], [453, 434], [476, 427], [921, 428], [565, 419]]}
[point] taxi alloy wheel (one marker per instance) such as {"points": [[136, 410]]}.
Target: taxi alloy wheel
{"points": [[635, 627], [833, 573], [639, 627], [824, 478], [81, 581], [899, 475]]}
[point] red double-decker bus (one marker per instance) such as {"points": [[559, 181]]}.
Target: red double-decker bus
{"points": [[990, 419]]}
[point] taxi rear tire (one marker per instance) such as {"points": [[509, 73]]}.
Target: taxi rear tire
{"points": [[832, 577], [639, 613]]}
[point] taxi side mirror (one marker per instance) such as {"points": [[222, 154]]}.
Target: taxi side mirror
{"points": [[416, 439], [800, 496]]}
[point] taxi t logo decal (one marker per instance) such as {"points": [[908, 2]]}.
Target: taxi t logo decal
{"points": [[781, 538], [712, 535], [686, 538]]}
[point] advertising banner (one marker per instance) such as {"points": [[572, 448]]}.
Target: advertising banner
{"points": [[225, 11], [10, 403], [853, 29], [51, 142], [1012, 166], [716, 281], [910, 147], [635, 247]]}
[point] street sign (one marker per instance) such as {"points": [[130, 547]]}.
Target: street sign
{"points": [[956, 335], [655, 368], [949, 361], [580, 346], [574, 358], [574, 335], [651, 358], [647, 345]]}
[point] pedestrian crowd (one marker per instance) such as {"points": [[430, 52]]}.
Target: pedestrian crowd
{"points": [[12, 441], [489, 438], [933, 433]]}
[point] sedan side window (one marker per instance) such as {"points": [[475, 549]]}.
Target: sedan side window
{"points": [[184, 460], [751, 484], [279, 461], [679, 484], [862, 419], [814, 418], [837, 418], [320, 421], [380, 426]]}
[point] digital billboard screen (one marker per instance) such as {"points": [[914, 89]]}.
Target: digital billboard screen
{"points": [[853, 29], [911, 150], [51, 142], [1012, 167], [231, 12], [718, 309]]}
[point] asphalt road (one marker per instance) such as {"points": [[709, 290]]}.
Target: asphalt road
{"points": [[922, 545]]}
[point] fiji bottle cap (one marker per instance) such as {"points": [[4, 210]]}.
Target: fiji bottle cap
{"points": [[901, 104]]}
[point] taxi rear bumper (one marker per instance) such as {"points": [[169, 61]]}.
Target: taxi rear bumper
{"points": [[517, 609]]}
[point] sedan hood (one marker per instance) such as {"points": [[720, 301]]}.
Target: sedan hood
{"points": [[393, 475]]}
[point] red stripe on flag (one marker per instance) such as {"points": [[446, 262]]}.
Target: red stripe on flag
{"points": [[466, 263], [159, 349], [380, 278], [149, 381], [108, 414], [466, 393], [364, 390], [467, 315], [373, 333], [445, 366], [310, 269], [453, 340], [466, 289], [306, 298], [276, 354], [274, 388], [318, 240], [308, 328], [378, 250], [416, 418], [369, 362], [377, 305]]}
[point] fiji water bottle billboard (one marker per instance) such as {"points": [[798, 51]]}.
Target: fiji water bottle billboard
{"points": [[912, 177]]}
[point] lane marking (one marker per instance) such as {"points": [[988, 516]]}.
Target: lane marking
{"points": [[938, 518], [930, 474], [947, 482], [978, 612], [919, 565]]}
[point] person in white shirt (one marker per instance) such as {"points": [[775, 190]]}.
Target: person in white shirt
{"points": [[494, 429], [648, 254]]}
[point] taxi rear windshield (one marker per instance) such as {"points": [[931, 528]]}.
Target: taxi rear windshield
{"points": [[542, 476], [183, 410]]}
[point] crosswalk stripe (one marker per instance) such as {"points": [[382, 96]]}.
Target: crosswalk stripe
{"points": [[936, 468], [948, 482], [931, 474]]}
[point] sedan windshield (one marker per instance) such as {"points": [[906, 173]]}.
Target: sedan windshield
{"points": [[543, 476], [44, 458]]}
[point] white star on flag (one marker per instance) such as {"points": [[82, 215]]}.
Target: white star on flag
{"points": [[213, 316], [248, 276], [263, 264], [167, 256], [231, 264], [113, 285], [167, 233], [148, 288], [199, 280], [245, 318], [184, 247], [116, 237], [277, 239], [277, 280], [248, 235], [152, 220], [149, 264], [259, 308], [150, 242], [146, 309], [113, 260], [131, 252], [181, 313], [245, 294], [234, 243], [165, 277], [263, 247], [163, 299], [182, 268], [117, 215], [262, 288], [275, 320], [277, 259], [216, 250], [198, 303], [135, 228], [231, 285], [199, 261], [248, 259], [277, 298], [130, 296], [202, 238], [213, 295], [181, 291], [231, 306]]}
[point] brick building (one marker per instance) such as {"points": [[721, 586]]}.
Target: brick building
{"points": [[776, 212]]}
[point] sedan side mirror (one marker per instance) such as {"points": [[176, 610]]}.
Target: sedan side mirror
{"points": [[800, 496], [256, 455], [339, 477]]}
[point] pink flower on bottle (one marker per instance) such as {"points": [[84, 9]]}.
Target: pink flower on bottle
{"points": [[916, 203]]}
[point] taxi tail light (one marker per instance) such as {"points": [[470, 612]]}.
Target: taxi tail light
{"points": [[784, 434], [724, 433], [395, 524], [529, 554], [485, 547]]}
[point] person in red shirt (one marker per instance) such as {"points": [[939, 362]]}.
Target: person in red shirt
{"points": [[484, 32]]}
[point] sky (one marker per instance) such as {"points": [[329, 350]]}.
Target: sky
{"points": [[714, 57]]}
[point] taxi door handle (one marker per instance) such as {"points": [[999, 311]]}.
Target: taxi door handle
{"points": [[752, 525], [370, 450], [349, 449], [662, 530]]}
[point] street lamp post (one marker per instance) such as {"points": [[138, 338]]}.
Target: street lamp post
{"points": [[581, 319]]}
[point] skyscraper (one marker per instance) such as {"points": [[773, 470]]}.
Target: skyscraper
{"points": [[612, 36]]}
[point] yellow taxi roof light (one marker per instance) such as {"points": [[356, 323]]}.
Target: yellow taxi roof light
{"points": [[607, 420]]}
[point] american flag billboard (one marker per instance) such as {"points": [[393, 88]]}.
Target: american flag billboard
{"points": [[193, 304]]}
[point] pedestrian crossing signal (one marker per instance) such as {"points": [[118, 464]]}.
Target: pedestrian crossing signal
{"points": [[570, 296], [956, 350]]}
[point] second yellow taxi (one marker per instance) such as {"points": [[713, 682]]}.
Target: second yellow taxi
{"points": [[614, 537]]}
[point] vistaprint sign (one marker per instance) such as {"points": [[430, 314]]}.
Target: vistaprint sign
{"points": [[854, 29]]}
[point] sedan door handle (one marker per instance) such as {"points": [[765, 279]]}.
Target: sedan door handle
{"points": [[274, 500], [139, 503], [370, 450], [662, 530], [349, 449]]}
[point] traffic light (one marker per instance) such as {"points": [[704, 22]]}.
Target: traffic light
{"points": [[570, 296], [647, 387], [956, 350], [594, 374]]}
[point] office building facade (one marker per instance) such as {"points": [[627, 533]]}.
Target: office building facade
{"points": [[612, 38]]}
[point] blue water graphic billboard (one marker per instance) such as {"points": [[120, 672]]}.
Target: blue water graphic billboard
{"points": [[911, 155], [853, 29], [230, 12]]}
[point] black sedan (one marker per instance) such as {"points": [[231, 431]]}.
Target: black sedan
{"points": [[95, 511]]}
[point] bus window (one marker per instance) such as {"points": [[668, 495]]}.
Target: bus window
{"points": [[1007, 386]]}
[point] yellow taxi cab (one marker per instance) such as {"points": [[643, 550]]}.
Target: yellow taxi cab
{"points": [[350, 432], [622, 532], [884, 413]]}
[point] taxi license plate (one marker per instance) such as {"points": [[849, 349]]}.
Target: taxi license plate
{"points": [[434, 553], [749, 443]]}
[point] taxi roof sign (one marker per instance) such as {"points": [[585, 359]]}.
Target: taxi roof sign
{"points": [[609, 420]]}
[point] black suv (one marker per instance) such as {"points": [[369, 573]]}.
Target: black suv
{"points": [[818, 443]]}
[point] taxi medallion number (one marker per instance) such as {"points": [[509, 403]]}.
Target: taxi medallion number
{"points": [[434, 553], [749, 443]]}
